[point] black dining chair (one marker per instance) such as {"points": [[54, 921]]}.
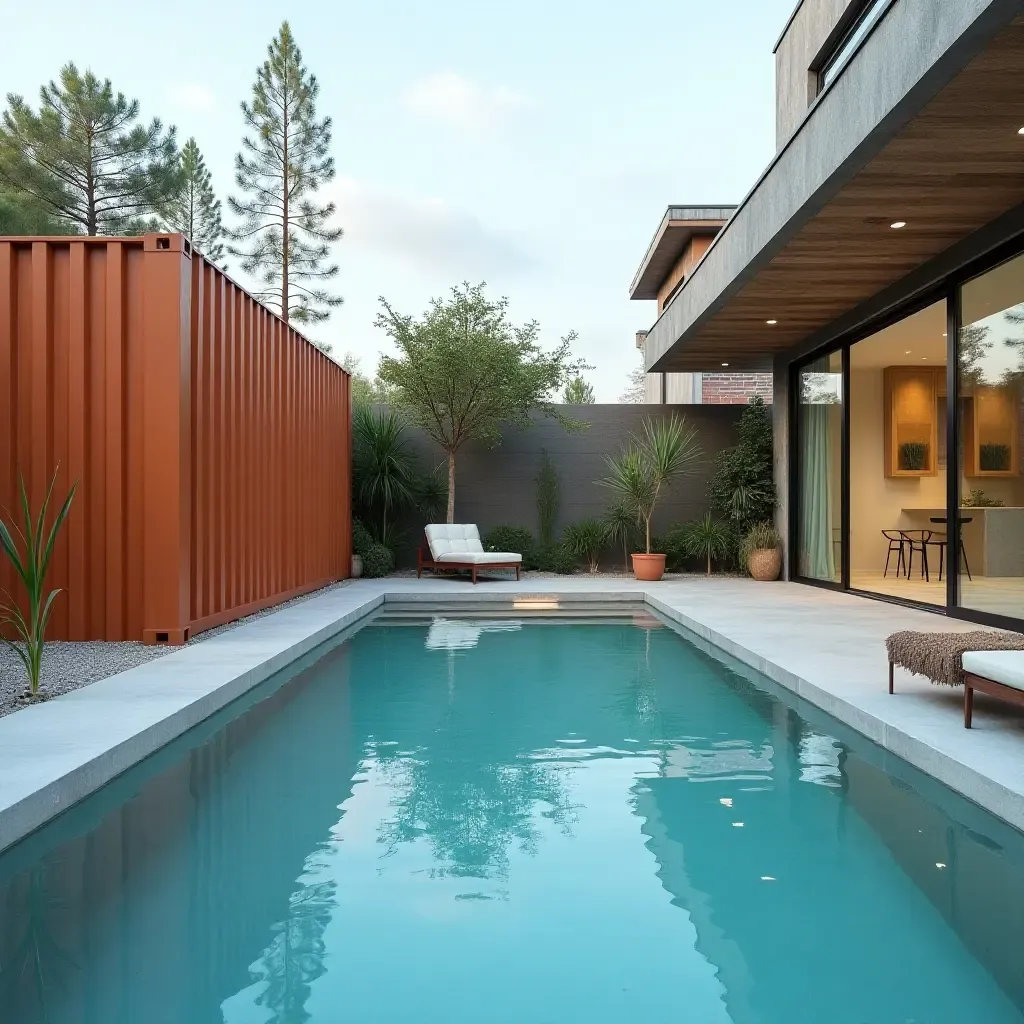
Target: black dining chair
{"points": [[917, 540], [896, 546], [940, 541]]}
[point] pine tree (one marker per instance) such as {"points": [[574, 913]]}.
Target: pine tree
{"points": [[84, 158], [194, 210], [578, 392], [284, 236]]}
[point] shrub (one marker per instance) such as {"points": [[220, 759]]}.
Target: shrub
{"points": [[585, 539], [361, 539], [516, 539], [548, 499], [554, 558], [378, 561], [994, 457], [760, 536]]}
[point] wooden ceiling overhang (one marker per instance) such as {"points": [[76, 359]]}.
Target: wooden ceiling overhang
{"points": [[951, 169]]}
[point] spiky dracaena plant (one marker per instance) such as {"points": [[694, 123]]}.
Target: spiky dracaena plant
{"points": [[708, 538], [665, 449], [586, 539], [29, 549]]}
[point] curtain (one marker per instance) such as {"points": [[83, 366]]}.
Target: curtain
{"points": [[816, 551]]}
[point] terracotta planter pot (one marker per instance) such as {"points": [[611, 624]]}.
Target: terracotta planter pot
{"points": [[648, 567], [765, 564]]}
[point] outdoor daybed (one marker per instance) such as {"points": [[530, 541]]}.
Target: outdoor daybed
{"points": [[986, 661], [455, 546]]}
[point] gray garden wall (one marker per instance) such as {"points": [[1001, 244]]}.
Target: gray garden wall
{"points": [[498, 485]]}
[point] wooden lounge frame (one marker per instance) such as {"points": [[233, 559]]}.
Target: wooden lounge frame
{"points": [[424, 560], [972, 682]]}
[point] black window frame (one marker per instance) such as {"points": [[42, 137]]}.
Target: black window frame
{"points": [[835, 54]]}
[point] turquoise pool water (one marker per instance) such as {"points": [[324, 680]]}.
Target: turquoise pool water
{"points": [[519, 821]]}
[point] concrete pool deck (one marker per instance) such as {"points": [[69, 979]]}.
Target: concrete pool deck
{"points": [[824, 646]]}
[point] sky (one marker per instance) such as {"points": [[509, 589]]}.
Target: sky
{"points": [[532, 145]]}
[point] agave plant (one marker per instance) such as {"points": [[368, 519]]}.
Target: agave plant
{"points": [[666, 448], [29, 549], [708, 538], [586, 539]]}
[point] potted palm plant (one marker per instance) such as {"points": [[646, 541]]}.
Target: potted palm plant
{"points": [[664, 450]]}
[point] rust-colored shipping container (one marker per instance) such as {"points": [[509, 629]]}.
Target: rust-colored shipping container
{"points": [[210, 441]]}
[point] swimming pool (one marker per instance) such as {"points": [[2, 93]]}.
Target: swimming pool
{"points": [[497, 820]]}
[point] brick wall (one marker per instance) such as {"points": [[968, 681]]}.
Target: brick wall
{"points": [[735, 388]]}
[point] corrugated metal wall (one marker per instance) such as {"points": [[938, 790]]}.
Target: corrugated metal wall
{"points": [[210, 441]]}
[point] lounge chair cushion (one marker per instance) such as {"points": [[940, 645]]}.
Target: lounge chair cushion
{"points": [[480, 557], [1006, 667], [453, 538]]}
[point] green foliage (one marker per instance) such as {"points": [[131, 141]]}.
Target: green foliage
{"points": [[194, 209], [758, 537], [29, 549], [285, 236], [994, 457], [979, 499], [361, 539], [22, 214], [578, 392], [378, 561], [743, 488], [431, 494], [620, 527], [666, 448], [553, 558], [548, 499], [463, 369], [515, 539], [586, 539], [364, 390], [84, 158], [383, 465], [913, 455], [708, 538]]}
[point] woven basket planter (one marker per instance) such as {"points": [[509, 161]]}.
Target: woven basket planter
{"points": [[765, 564]]}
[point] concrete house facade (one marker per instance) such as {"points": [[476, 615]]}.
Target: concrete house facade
{"points": [[876, 270]]}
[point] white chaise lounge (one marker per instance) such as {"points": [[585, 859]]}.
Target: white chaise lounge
{"points": [[997, 673], [457, 546]]}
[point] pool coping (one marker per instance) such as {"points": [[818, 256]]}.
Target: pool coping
{"points": [[55, 754]]}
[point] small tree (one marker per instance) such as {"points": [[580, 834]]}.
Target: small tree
{"points": [[194, 209], [708, 538], [285, 236], [578, 392], [85, 159], [463, 369], [636, 389]]}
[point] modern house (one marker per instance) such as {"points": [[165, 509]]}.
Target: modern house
{"points": [[876, 268], [682, 238]]}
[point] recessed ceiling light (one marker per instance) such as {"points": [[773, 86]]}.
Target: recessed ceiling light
{"points": [[907, 353], [725, 364], [897, 224], [1020, 131], [771, 321]]}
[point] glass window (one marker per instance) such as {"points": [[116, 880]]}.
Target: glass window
{"points": [[819, 468], [991, 370], [850, 41], [898, 522]]}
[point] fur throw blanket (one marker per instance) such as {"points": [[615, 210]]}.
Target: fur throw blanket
{"points": [[937, 655]]}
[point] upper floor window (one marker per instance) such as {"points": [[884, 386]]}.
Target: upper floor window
{"points": [[847, 43]]}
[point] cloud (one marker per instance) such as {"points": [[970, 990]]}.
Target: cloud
{"points": [[450, 97], [426, 234], [192, 96]]}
